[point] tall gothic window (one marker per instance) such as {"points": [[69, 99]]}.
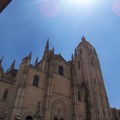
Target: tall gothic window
{"points": [[5, 94], [35, 80], [60, 70], [79, 95]]}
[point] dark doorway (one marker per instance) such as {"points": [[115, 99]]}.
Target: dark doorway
{"points": [[28, 118], [55, 118], [61, 118]]}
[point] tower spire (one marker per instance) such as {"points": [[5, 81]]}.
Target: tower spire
{"points": [[1, 68], [46, 49], [12, 65], [47, 45], [27, 59], [75, 54], [1, 60], [36, 61], [83, 38], [53, 49], [72, 57], [30, 55]]}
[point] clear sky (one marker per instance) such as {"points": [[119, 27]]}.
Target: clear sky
{"points": [[25, 25]]}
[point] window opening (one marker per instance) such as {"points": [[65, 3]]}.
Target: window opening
{"points": [[60, 70], [55, 118], [79, 95], [28, 118], [5, 94], [35, 80]]}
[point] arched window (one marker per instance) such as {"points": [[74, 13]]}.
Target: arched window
{"points": [[60, 70], [5, 94], [79, 95], [55, 118], [35, 80]]}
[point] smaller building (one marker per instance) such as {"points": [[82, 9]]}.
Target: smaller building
{"points": [[3, 4]]}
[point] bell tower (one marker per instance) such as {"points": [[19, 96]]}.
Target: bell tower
{"points": [[91, 94]]}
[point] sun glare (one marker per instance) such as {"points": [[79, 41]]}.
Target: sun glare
{"points": [[85, 2], [84, 6], [51, 8]]}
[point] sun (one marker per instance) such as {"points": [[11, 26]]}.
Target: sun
{"points": [[80, 6], [82, 2]]}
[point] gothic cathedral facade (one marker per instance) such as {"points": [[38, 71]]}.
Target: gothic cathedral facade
{"points": [[56, 89]]}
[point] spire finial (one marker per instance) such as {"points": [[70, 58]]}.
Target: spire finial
{"points": [[30, 55], [59, 54], [83, 38], [12, 65], [75, 54], [1, 59], [47, 45], [7, 71], [36, 61], [72, 57], [1, 68], [53, 49], [46, 49]]}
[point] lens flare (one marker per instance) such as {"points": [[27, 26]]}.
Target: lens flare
{"points": [[49, 8], [116, 7]]}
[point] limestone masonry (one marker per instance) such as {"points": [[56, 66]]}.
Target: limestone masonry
{"points": [[56, 89]]}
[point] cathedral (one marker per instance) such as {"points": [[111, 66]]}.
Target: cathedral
{"points": [[56, 89]]}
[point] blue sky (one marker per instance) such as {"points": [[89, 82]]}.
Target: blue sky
{"points": [[25, 25]]}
